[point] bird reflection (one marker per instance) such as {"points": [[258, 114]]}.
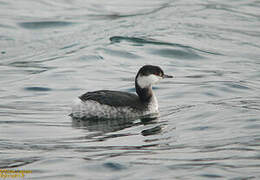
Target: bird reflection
{"points": [[113, 125]]}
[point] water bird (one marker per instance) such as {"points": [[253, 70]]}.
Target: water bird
{"points": [[107, 104]]}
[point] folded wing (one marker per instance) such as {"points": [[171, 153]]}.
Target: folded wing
{"points": [[113, 98]]}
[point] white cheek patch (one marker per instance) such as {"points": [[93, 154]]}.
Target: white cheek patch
{"points": [[145, 81]]}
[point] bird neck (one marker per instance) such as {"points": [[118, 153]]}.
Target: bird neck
{"points": [[145, 94]]}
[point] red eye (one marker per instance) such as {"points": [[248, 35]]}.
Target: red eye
{"points": [[158, 74]]}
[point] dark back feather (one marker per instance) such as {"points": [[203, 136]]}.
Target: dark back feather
{"points": [[114, 98]]}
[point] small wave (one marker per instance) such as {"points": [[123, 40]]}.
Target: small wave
{"points": [[116, 15], [142, 41], [121, 53], [114, 166], [250, 103], [37, 89], [44, 24], [176, 53], [14, 163]]}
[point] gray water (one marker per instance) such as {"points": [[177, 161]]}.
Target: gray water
{"points": [[53, 51]]}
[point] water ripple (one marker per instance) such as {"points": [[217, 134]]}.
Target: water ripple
{"points": [[114, 15], [37, 89], [176, 53], [44, 24], [114, 166], [252, 103], [143, 41], [17, 162]]}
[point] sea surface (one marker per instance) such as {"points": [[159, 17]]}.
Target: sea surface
{"points": [[51, 52]]}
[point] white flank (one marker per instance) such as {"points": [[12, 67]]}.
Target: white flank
{"points": [[90, 109], [146, 81]]}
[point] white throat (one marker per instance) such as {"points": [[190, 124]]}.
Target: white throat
{"points": [[146, 81]]}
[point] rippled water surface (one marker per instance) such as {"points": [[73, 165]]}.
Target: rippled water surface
{"points": [[53, 51]]}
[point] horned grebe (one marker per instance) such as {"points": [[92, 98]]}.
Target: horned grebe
{"points": [[106, 104]]}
